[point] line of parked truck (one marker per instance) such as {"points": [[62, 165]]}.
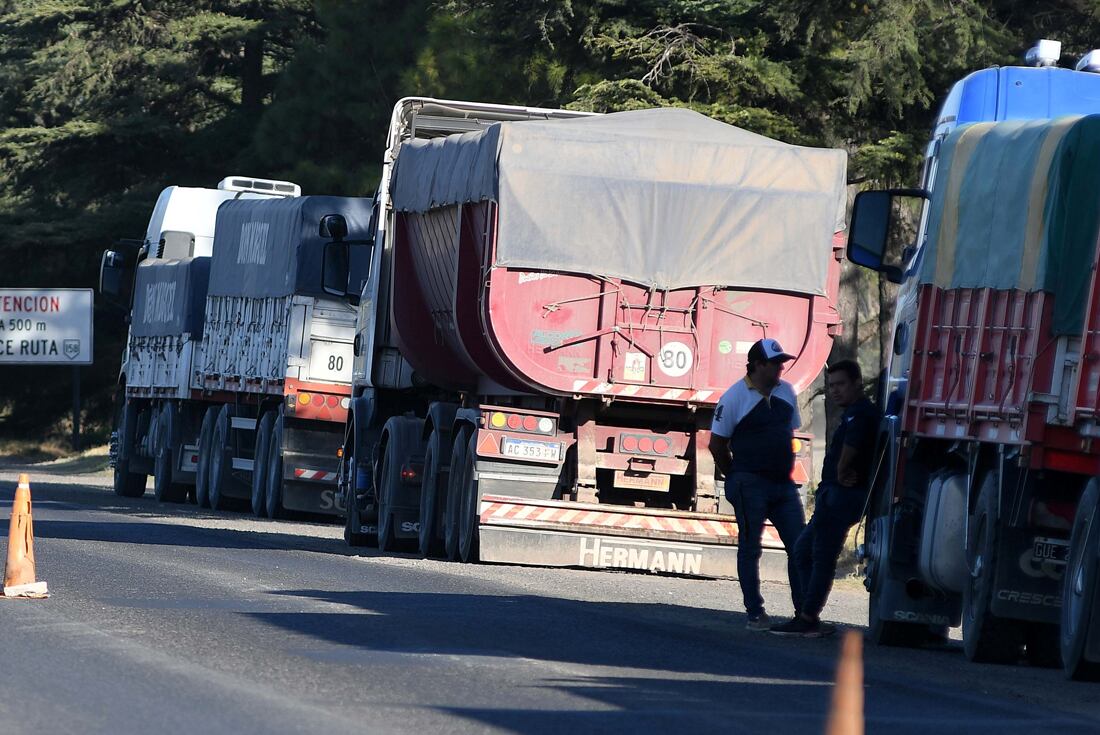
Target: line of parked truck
{"points": [[512, 352]]}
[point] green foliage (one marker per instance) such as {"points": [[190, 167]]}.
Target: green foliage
{"points": [[104, 103]]}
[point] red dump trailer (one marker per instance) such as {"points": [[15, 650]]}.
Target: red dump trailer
{"points": [[573, 296]]}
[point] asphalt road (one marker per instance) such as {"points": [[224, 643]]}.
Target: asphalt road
{"points": [[166, 619]]}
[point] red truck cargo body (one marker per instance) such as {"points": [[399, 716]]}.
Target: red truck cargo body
{"points": [[987, 367], [459, 322], [588, 289]]}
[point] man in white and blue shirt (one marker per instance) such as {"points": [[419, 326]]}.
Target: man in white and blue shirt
{"points": [[751, 440]]}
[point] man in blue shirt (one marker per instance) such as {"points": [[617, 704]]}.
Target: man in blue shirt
{"points": [[751, 440], [845, 480]]}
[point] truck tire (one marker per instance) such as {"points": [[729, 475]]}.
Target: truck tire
{"points": [[221, 462], [354, 535], [391, 468], [469, 518], [274, 494], [127, 484], [260, 464], [202, 471], [454, 491], [1079, 596], [431, 526], [987, 638], [164, 489]]}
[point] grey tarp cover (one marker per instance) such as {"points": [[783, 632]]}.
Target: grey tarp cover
{"points": [[273, 247], [169, 297], [664, 197]]}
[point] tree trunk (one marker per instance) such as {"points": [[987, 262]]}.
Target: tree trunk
{"points": [[252, 72]]}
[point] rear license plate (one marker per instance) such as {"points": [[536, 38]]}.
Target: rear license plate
{"points": [[1050, 549], [647, 481], [522, 449]]}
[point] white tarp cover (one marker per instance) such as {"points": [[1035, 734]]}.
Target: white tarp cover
{"points": [[665, 197]]}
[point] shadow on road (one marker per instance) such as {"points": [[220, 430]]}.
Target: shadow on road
{"points": [[652, 666], [165, 534]]}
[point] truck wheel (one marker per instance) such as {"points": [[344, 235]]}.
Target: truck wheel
{"points": [[469, 518], [202, 471], [389, 478], [987, 638], [260, 464], [164, 489], [127, 484], [221, 468], [454, 492], [431, 537], [1079, 595], [274, 494], [348, 484]]}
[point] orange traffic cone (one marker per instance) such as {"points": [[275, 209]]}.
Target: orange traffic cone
{"points": [[846, 714], [19, 580]]}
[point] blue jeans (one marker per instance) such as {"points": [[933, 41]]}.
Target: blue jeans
{"points": [[837, 509], [756, 499]]}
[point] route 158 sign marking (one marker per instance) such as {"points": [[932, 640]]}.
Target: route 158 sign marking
{"points": [[46, 326]]}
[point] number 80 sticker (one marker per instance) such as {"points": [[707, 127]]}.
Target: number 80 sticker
{"points": [[675, 359]]}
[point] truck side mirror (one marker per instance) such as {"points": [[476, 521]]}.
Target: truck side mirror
{"points": [[116, 271], [335, 267], [875, 231], [334, 227]]}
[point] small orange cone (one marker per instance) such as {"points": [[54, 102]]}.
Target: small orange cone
{"points": [[19, 580], [846, 714]]}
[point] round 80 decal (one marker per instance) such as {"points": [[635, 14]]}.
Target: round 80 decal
{"points": [[675, 359]]}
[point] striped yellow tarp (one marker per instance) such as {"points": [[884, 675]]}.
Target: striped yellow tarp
{"points": [[1015, 206]]}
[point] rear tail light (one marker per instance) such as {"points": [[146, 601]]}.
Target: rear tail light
{"points": [[644, 444], [408, 474], [318, 400], [522, 422]]}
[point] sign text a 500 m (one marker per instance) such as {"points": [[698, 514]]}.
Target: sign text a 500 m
{"points": [[46, 326]]}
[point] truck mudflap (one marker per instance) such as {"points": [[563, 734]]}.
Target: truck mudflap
{"points": [[589, 535]]}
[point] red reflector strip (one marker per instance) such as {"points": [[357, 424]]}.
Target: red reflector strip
{"points": [[315, 475]]}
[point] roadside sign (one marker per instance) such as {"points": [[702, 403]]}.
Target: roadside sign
{"points": [[45, 326]]}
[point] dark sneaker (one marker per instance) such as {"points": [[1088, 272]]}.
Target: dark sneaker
{"points": [[800, 627], [760, 623]]}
